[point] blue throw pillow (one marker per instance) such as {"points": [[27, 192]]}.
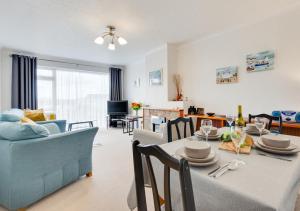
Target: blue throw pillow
{"points": [[9, 118], [15, 131], [15, 111]]}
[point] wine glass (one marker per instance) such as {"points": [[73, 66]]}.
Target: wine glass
{"points": [[230, 119], [260, 125], [206, 125], [238, 137]]}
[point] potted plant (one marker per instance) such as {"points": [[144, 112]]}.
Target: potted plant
{"points": [[136, 107]]}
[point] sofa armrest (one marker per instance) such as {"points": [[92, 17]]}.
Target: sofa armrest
{"points": [[146, 137], [60, 123]]}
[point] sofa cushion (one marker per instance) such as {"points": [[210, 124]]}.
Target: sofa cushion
{"points": [[52, 128], [15, 111], [9, 118], [35, 115], [15, 131]]}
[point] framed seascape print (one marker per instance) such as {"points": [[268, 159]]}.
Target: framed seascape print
{"points": [[155, 77], [227, 75], [260, 61]]}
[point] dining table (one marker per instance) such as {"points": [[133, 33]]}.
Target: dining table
{"points": [[264, 183]]}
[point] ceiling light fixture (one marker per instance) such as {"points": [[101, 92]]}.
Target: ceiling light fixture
{"points": [[110, 34]]}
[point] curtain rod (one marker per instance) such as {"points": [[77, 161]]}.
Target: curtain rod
{"points": [[64, 62]]}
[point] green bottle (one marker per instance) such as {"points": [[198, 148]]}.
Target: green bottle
{"points": [[240, 120]]}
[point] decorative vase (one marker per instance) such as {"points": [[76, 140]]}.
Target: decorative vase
{"points": [[136, 112]]}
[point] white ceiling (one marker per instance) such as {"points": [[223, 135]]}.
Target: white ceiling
{"points": [[67, 28]]}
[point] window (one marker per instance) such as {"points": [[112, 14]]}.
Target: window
{"points": [[74, 95]]}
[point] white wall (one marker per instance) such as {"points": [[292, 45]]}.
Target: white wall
{"points": [[155, 96], [257, 92], [131, 73]]}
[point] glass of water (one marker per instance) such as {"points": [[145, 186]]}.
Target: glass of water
{"points": [[238, 137], [230, 119], [260, 125], [206, 125]]}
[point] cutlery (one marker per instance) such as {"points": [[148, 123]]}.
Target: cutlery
{"points": [[273, 156], [231, 167], [213, 173]]}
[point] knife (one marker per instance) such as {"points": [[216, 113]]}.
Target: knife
{"points": [[273, 156]]}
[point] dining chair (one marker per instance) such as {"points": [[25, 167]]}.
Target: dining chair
{"points": [[178, 123], [270, 120], [169, 162]]}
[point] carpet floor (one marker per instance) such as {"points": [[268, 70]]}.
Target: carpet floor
{"points": [[107, 189]]}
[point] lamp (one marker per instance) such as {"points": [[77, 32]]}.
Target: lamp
{"points": [[110, 34]]}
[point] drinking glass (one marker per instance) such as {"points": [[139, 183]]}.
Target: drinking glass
{"points": [[230, 119], [238, 137], [206, 125], [260, 125]]}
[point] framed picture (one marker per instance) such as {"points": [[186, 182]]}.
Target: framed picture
{"points": [[155, 77], [227, 75], [260, 61]]}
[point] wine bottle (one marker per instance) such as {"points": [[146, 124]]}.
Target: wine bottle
{"points": [[240, 120]]}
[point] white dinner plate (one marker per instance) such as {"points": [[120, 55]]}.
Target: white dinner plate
{"points": [[215, 160], [291, 152], [252, 132], [182, 154], [289, 148], [211, 137]]}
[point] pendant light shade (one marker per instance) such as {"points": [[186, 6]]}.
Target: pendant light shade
{"points": [[122, 41], [99, 40], [111, 46]]}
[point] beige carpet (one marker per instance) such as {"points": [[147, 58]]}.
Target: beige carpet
{"points": [[107, 189]]}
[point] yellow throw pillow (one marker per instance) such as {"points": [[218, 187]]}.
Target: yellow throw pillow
{"points": [[27, 120], [35, 115]]}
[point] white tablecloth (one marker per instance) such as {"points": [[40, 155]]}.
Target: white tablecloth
{"points": [[262, 184]]}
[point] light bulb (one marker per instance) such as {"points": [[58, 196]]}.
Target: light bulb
{"points": [[99, 40], [122, 41], [111, 46]]}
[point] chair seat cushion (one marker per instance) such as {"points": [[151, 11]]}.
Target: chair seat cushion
{"points": [[15, 131]]}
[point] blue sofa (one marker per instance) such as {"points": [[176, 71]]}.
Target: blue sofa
{"points": [[34, 168]]}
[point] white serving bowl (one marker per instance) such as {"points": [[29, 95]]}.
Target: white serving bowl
{"points": [[213, 131], [277, 141], [197, 149]]}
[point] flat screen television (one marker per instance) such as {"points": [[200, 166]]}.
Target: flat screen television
{"points": [[117, 107]]}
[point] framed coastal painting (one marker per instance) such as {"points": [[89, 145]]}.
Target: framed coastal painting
{"points": [[155, 77], [227, 75], [260, 61]]}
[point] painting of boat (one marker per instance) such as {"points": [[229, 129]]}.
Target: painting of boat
{"points": [[260, 61]]}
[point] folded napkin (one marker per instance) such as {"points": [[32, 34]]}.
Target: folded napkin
{"points": [[229, 146]]}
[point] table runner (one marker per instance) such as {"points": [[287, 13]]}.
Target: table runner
{"points": [[262, 184]]}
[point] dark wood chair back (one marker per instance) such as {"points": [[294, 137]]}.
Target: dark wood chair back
{"points": [[176, 122], [270, 121], [181, 166]]}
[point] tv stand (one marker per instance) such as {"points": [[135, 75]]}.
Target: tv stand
{"points": [[114, 119]]}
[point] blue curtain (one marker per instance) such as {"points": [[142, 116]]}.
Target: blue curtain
{"points": [[24, 82], [115, 90]]}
